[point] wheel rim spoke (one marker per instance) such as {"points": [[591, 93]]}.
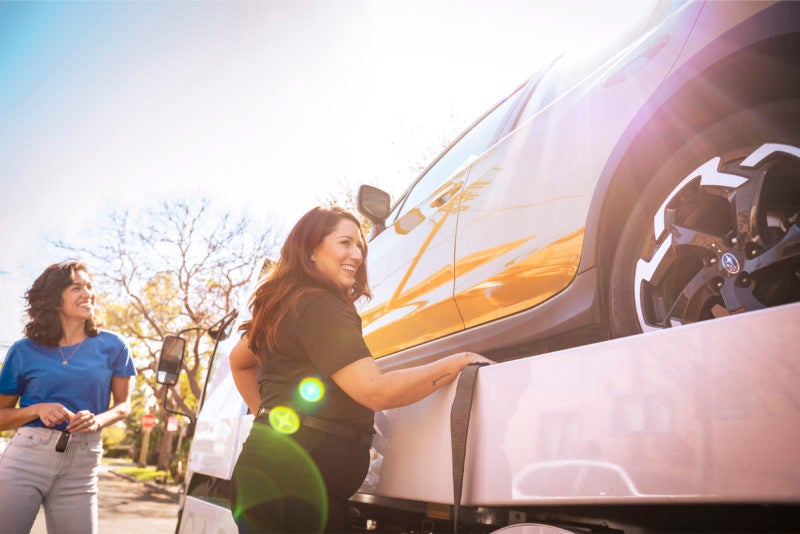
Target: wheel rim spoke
{"points": [[684, 236], [739, 299], [693, 298], [744, 201], [787, 248]]}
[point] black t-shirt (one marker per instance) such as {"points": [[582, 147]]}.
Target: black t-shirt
{"points": [[316, 339]]}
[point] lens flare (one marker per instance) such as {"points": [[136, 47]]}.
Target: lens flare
{"points": [[284, 420], [277, 487], [312, 389]]}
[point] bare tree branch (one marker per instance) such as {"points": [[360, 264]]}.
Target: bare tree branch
{"points": [[177, 265]]}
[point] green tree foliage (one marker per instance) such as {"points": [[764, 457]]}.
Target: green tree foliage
{"points": [[179, 265]]}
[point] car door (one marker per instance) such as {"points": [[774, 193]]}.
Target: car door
{"points": [[410, 263]]}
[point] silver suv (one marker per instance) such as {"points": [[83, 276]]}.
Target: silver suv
{"points": [[650, 187]]}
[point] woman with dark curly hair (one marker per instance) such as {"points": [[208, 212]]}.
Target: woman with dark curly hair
{"points": [[305, 370], [63, 374]]}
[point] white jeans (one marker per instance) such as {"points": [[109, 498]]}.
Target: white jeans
{"points": [[33, 473]]}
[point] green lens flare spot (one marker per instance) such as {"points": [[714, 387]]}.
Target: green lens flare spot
{"points": [[312, 389], [284, 420]]}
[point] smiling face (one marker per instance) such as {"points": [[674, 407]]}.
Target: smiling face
{"points": [[339, 256], [77, 300]]}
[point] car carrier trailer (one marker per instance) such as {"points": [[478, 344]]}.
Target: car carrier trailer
{"points": [[689, 429]]}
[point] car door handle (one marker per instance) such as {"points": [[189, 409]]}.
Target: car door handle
{"points": [[634, 65], [446, 195]]}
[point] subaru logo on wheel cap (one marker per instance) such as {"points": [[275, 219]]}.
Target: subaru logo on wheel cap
{"points": [[731, 263]]}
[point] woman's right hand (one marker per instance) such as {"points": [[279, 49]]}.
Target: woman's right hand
{"points": [[470, 358], [53, 413], [369, 386]]}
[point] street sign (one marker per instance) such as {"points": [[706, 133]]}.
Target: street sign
{"points": [[148, 421]]}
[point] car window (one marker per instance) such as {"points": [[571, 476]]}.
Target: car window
{"points": [[471, 145], [569, 69], [557, 80]]}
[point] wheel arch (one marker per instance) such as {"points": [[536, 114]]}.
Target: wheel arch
{"points": [[724, 78]]}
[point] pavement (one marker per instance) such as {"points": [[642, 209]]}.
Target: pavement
{"points": [[128, 505], [166, 489]]}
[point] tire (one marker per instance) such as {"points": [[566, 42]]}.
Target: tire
{"points": [[716, 230]]}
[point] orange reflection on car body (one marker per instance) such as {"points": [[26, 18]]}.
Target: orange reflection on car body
{"points": [[523, 284], [538, 276], [415, 329]]}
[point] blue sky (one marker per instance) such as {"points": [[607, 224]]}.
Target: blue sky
{"points": [[264, 106]]}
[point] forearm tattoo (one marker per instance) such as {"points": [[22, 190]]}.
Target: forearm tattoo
{"points": [[435, 380]]}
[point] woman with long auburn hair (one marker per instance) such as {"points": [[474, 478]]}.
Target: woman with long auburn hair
{"points": [[295, 274], [56, 388], [303, 368]]}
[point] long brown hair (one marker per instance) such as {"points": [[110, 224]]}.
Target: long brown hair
{"points": [[294, 274], [44, 299]]}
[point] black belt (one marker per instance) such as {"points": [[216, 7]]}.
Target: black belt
{"points": [[344, 432]]}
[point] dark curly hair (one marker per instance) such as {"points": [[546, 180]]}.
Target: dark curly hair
{"points": [[44, 299]]}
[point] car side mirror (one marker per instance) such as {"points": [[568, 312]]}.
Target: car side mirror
{"points": [[170, 360], [374, 204]]}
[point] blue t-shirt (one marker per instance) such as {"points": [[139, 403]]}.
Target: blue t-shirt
{"points": [[36, 373]]}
